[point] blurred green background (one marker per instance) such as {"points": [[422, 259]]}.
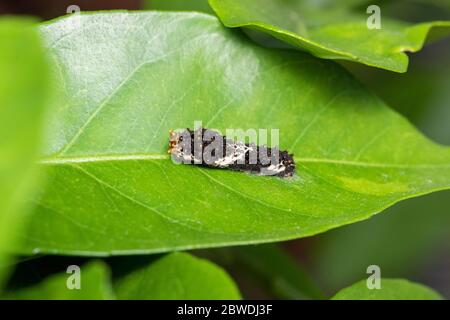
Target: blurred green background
{"points": [[410, 240]]}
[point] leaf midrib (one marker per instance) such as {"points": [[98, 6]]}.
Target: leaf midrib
{"points": [[143, 157]]}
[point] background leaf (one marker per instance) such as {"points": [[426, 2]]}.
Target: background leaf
{"points": [[391, 289], [112, 182], [268, 266], [94, 280], [177, 276], [281, 274], [412, 236], [24, 90], [331, 32], [415, 231]]}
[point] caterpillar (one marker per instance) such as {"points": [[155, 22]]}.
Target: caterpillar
{"points": [[210, 149]]}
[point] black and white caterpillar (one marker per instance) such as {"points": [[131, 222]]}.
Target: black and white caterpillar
{"points": [[208, 148]]}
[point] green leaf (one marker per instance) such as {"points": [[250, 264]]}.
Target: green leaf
{"points": [[179, 5], [24, 90], [113, 189], [331, 31], [94, 285], [177, 276], [174, 276], [391, 289]]}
